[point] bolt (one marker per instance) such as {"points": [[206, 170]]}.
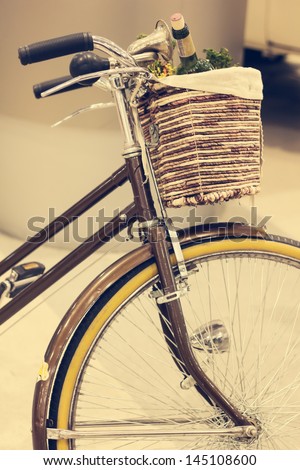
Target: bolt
{"points": [[123, 217], [251, 431]]}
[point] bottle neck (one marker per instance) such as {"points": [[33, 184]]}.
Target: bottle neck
{"points": [[186, 48]]}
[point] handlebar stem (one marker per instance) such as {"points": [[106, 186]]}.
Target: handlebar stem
{"points": [[124, 114]]}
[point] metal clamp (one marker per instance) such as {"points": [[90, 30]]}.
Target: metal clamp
{"points": [[177, 251], [163, 299], [154, 135]]}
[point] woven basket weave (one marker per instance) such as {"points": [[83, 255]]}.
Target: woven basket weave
{"points": [[204, 147]]}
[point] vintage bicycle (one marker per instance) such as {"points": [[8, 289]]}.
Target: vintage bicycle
{"points": [[190, 340]]}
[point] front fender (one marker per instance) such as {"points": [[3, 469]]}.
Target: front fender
{"points": [[89, 296]]}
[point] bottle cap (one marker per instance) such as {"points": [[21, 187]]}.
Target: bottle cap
{"points": [[177, 21]]}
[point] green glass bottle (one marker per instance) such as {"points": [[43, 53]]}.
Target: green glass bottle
{"points": [[189, 62]]}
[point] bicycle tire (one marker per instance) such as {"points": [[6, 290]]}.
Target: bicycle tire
{"points": [[161, 414]]}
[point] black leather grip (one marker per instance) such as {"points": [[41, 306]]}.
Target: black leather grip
{"points": [[56, 47], [39, 88]]}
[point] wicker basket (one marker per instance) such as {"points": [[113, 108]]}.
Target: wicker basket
{"points": [[205, 147]]}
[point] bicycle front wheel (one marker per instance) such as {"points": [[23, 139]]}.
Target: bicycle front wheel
{"points": [[118, 387]]}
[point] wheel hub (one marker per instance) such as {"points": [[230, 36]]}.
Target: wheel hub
{"points": [[212, 337]]}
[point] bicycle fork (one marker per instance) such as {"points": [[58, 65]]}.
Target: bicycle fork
{"points": [[156, 234], [171, 309]]}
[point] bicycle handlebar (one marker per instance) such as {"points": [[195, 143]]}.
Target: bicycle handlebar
{"points": [[74, 43], [56, 47], [70, 44]]}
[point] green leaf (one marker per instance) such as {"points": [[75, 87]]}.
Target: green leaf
{"points": [[219, 60]]}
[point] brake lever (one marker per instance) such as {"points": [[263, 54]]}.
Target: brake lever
{"points": [[89, 76]]}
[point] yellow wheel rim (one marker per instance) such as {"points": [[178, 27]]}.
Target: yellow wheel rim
{"points": [[195, 251]]}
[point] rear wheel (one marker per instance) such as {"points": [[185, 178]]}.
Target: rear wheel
{"points": [[117, 385]]}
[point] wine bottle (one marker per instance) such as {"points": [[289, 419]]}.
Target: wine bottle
{"points": [[189, 62]]}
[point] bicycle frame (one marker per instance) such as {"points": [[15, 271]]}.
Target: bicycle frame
{"points": [[89, 246]]}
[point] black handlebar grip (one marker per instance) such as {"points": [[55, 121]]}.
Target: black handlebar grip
{"points": [[56, 47], [39, 88]]}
